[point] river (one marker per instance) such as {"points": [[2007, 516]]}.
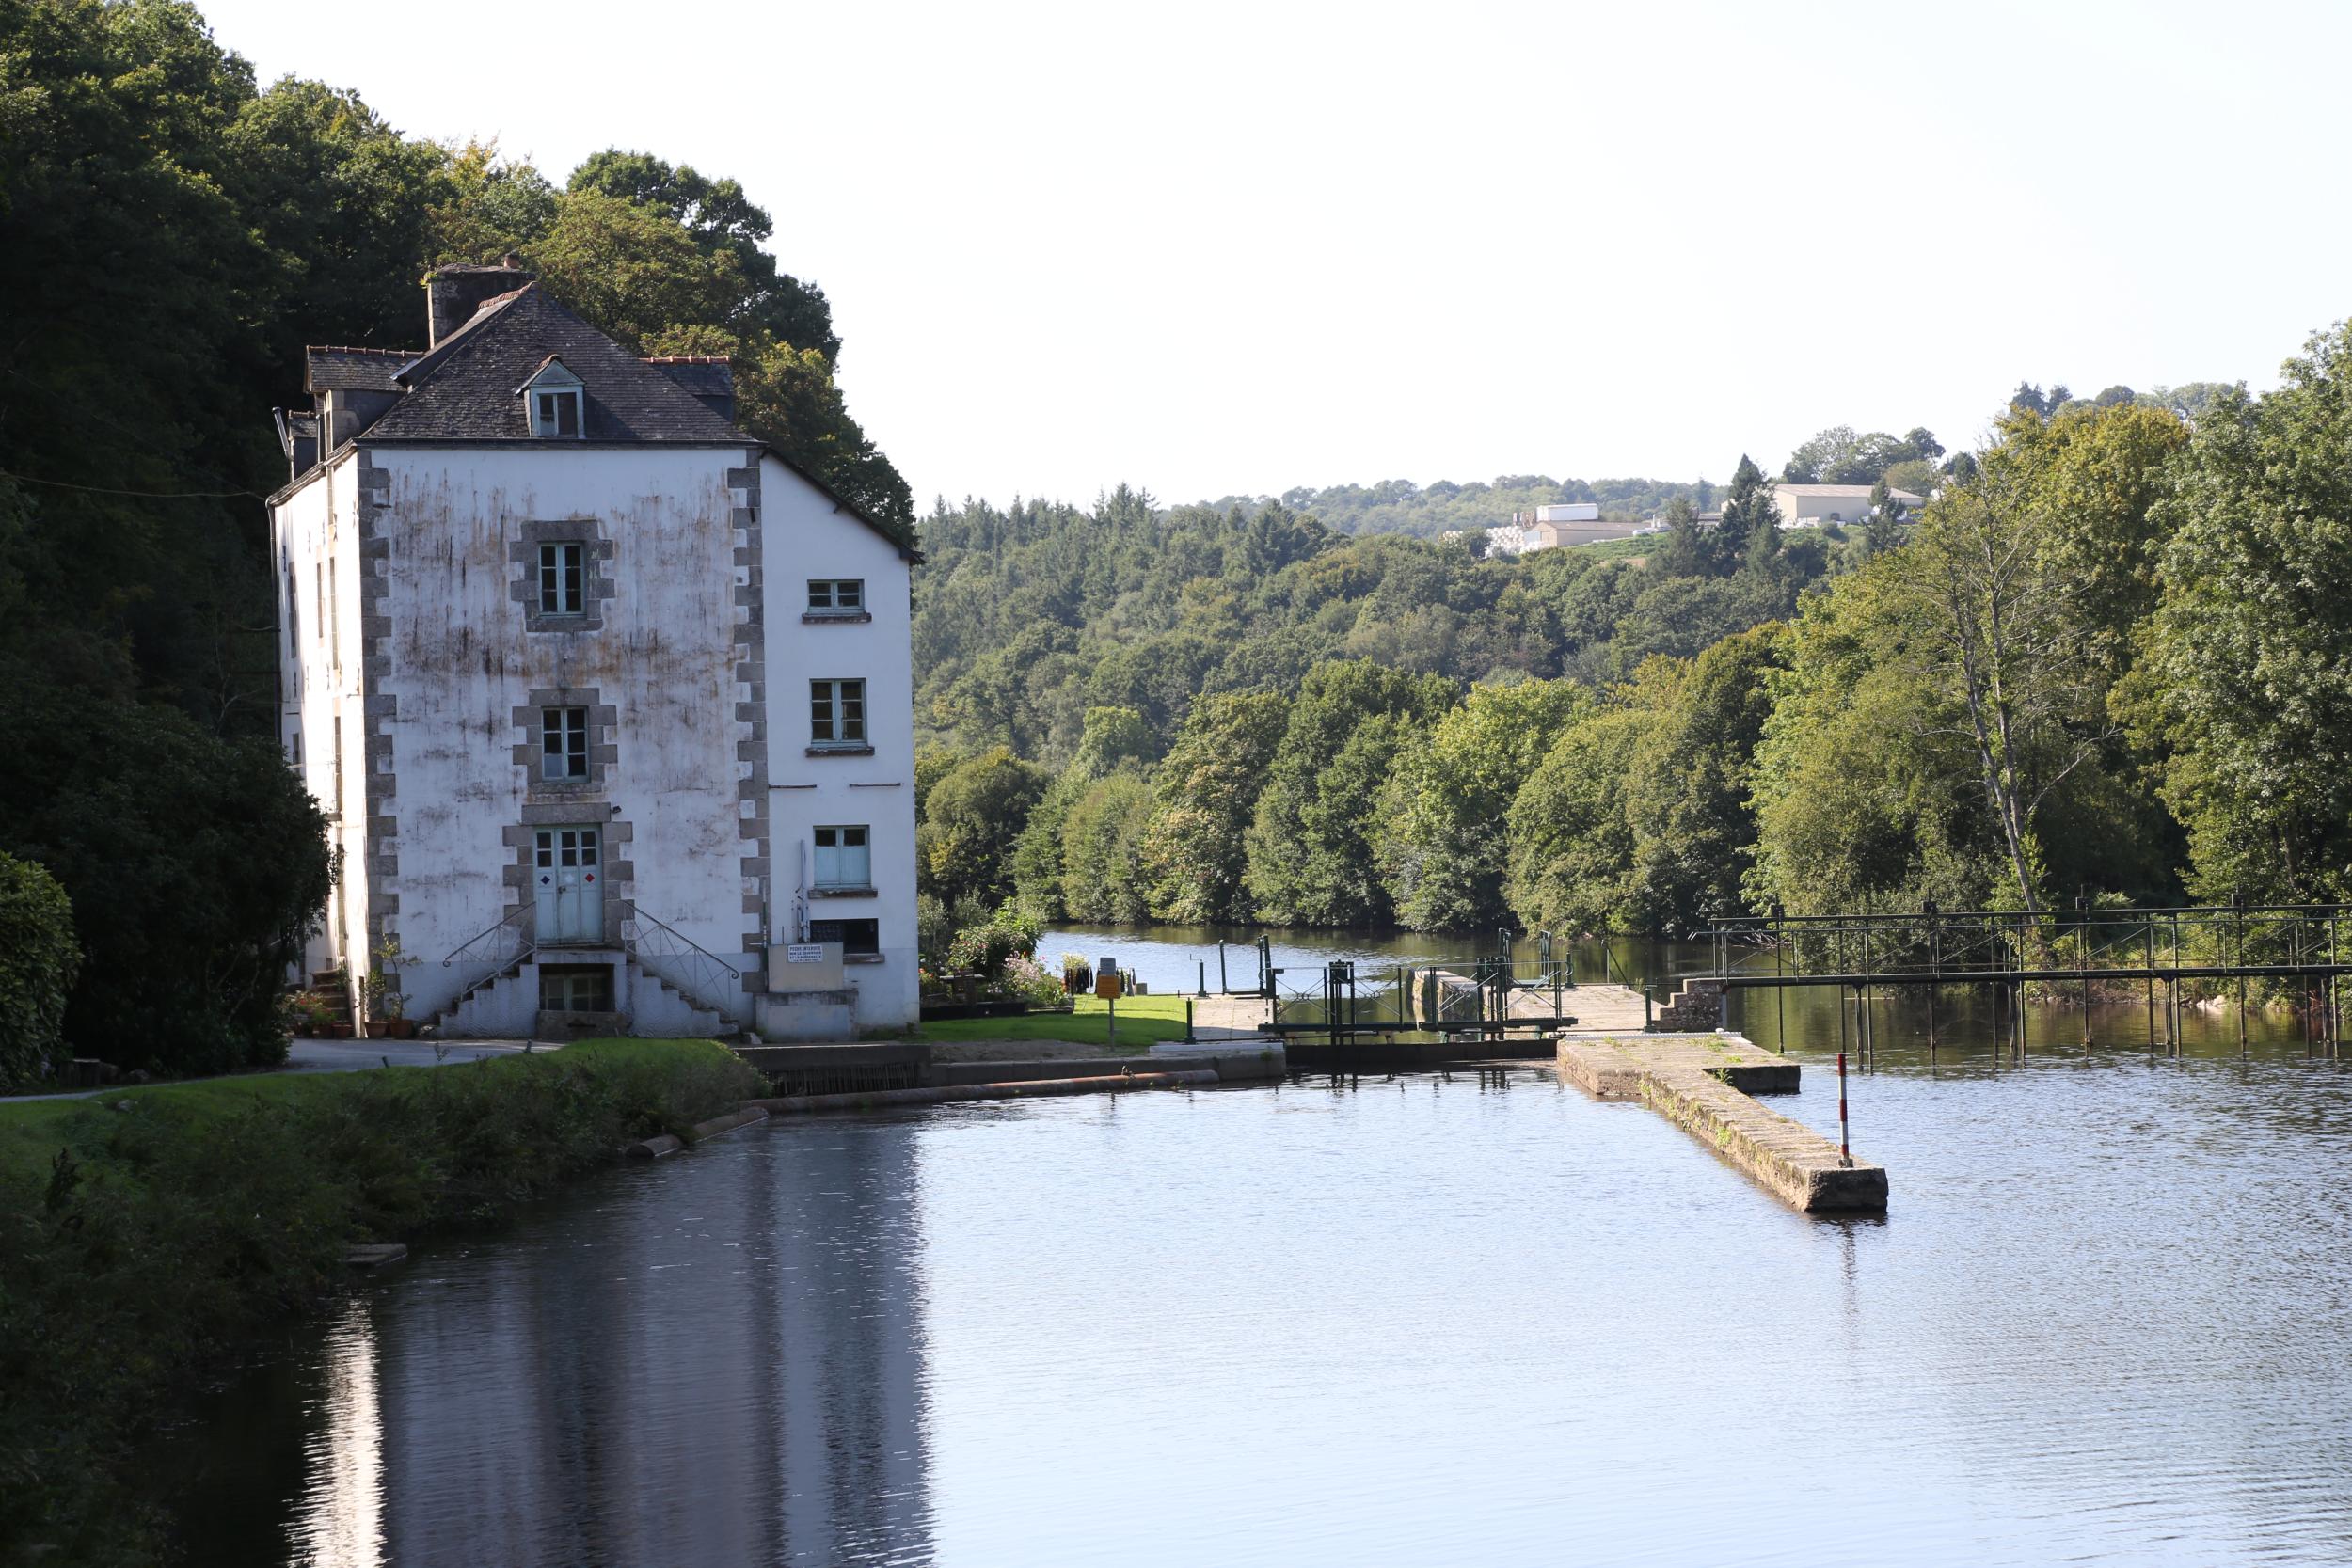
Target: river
{"points": [[1418, 1321]]}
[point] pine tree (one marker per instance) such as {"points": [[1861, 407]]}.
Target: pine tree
{"points": [[1750, 531]]}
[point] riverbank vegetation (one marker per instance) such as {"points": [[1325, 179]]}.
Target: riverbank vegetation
{"points": [[2107, 659], [177, 231], [143, 1233]]}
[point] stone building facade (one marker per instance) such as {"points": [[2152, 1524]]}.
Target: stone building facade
{"points": [[610, 707]]}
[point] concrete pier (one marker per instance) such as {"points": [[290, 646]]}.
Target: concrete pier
{"points": [[1702, 1083]]}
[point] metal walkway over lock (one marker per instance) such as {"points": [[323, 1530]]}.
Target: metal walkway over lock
{"points": [[2161, 958]]}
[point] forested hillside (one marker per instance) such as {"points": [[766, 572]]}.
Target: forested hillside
{"points": [[2110, 658], [174, 235]]}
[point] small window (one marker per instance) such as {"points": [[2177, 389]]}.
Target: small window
{"points": [[837, 595], [843, 859], [564, 744], [555, 413], [559, 580], [837, 713], [858, 938]]}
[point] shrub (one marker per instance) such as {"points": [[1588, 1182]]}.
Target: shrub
{"points": [[983, 949], [197, 866], [1026, 979], [39, 957]]}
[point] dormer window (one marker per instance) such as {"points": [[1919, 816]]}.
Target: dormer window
{"points": [[554, 399]]}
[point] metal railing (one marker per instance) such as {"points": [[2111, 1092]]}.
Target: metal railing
{"points": [[494, 952], [1477, 996], [692, 970]]}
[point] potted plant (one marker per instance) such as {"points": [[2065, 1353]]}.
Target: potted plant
{"points": [[388, 1008]]}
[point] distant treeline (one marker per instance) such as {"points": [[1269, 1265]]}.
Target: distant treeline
{"points": [[2111, 657]]}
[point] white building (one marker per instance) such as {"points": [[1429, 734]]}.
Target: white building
{"points": [[576, 758], [1567, 523], [1811, 505]]}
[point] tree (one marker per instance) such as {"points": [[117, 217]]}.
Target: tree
{"points": [[1884, 529], [1688, 551], [1103, 871], [1443, 837], [1998, 636], [1570, 843], [492, 208], [39, 960], [720, 219], [1863, 794], [1750, 531], [2248, 677], [196, 868], [971, 818], [1309, 846], [633, 272], [1688, 784], [1208, 795]]}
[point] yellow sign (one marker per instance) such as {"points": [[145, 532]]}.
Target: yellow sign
{"points": [[1109, 986]]}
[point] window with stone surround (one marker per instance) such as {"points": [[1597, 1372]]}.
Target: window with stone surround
{"points": [[564, 744], [562, 577]]}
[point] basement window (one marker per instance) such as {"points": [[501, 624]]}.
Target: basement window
{"points": [[859, 939], [576, 987]]}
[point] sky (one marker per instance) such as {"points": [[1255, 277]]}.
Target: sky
{"points": [[1214, 249]]}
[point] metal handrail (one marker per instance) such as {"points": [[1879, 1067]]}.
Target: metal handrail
{"points": [[653, 958], [506, 919], [524, 948], [635, 914]]}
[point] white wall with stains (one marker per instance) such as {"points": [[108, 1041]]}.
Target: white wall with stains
{"points": [[807, 536]]}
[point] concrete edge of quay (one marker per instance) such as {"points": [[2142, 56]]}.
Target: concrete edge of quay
{"points": [[1693, 1080]]}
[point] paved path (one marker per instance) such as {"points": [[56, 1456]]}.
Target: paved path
{"points": [[348, 1056], [1599, 1009]]}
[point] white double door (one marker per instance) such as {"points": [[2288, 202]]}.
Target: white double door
{"points": [[568, 876]]}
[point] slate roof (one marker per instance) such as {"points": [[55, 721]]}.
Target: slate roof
{"points": [[705, 375], [371, 370], [465, 388]]}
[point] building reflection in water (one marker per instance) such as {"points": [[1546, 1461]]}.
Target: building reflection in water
{"points": [[713, 1361], [340, 1522]]}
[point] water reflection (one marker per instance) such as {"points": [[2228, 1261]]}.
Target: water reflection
{"points": [[341, 1521], [721, 1365], [1419, 1321]]}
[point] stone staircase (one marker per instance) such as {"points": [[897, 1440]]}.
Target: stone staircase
{"points": [[505, 1005], [334, 985], [1696, 1003]]}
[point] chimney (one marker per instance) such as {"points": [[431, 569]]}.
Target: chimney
{"points": [[453, 295]]}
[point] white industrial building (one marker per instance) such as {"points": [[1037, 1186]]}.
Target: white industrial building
{"points": [[1811, 505], [1548, 528], [610, 707]]}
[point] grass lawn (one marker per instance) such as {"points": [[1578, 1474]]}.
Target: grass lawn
{"points": [[1142, 1020], [32, 1131]]}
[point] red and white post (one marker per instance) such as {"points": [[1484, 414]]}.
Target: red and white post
{"points": [[1844, 1153]]}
